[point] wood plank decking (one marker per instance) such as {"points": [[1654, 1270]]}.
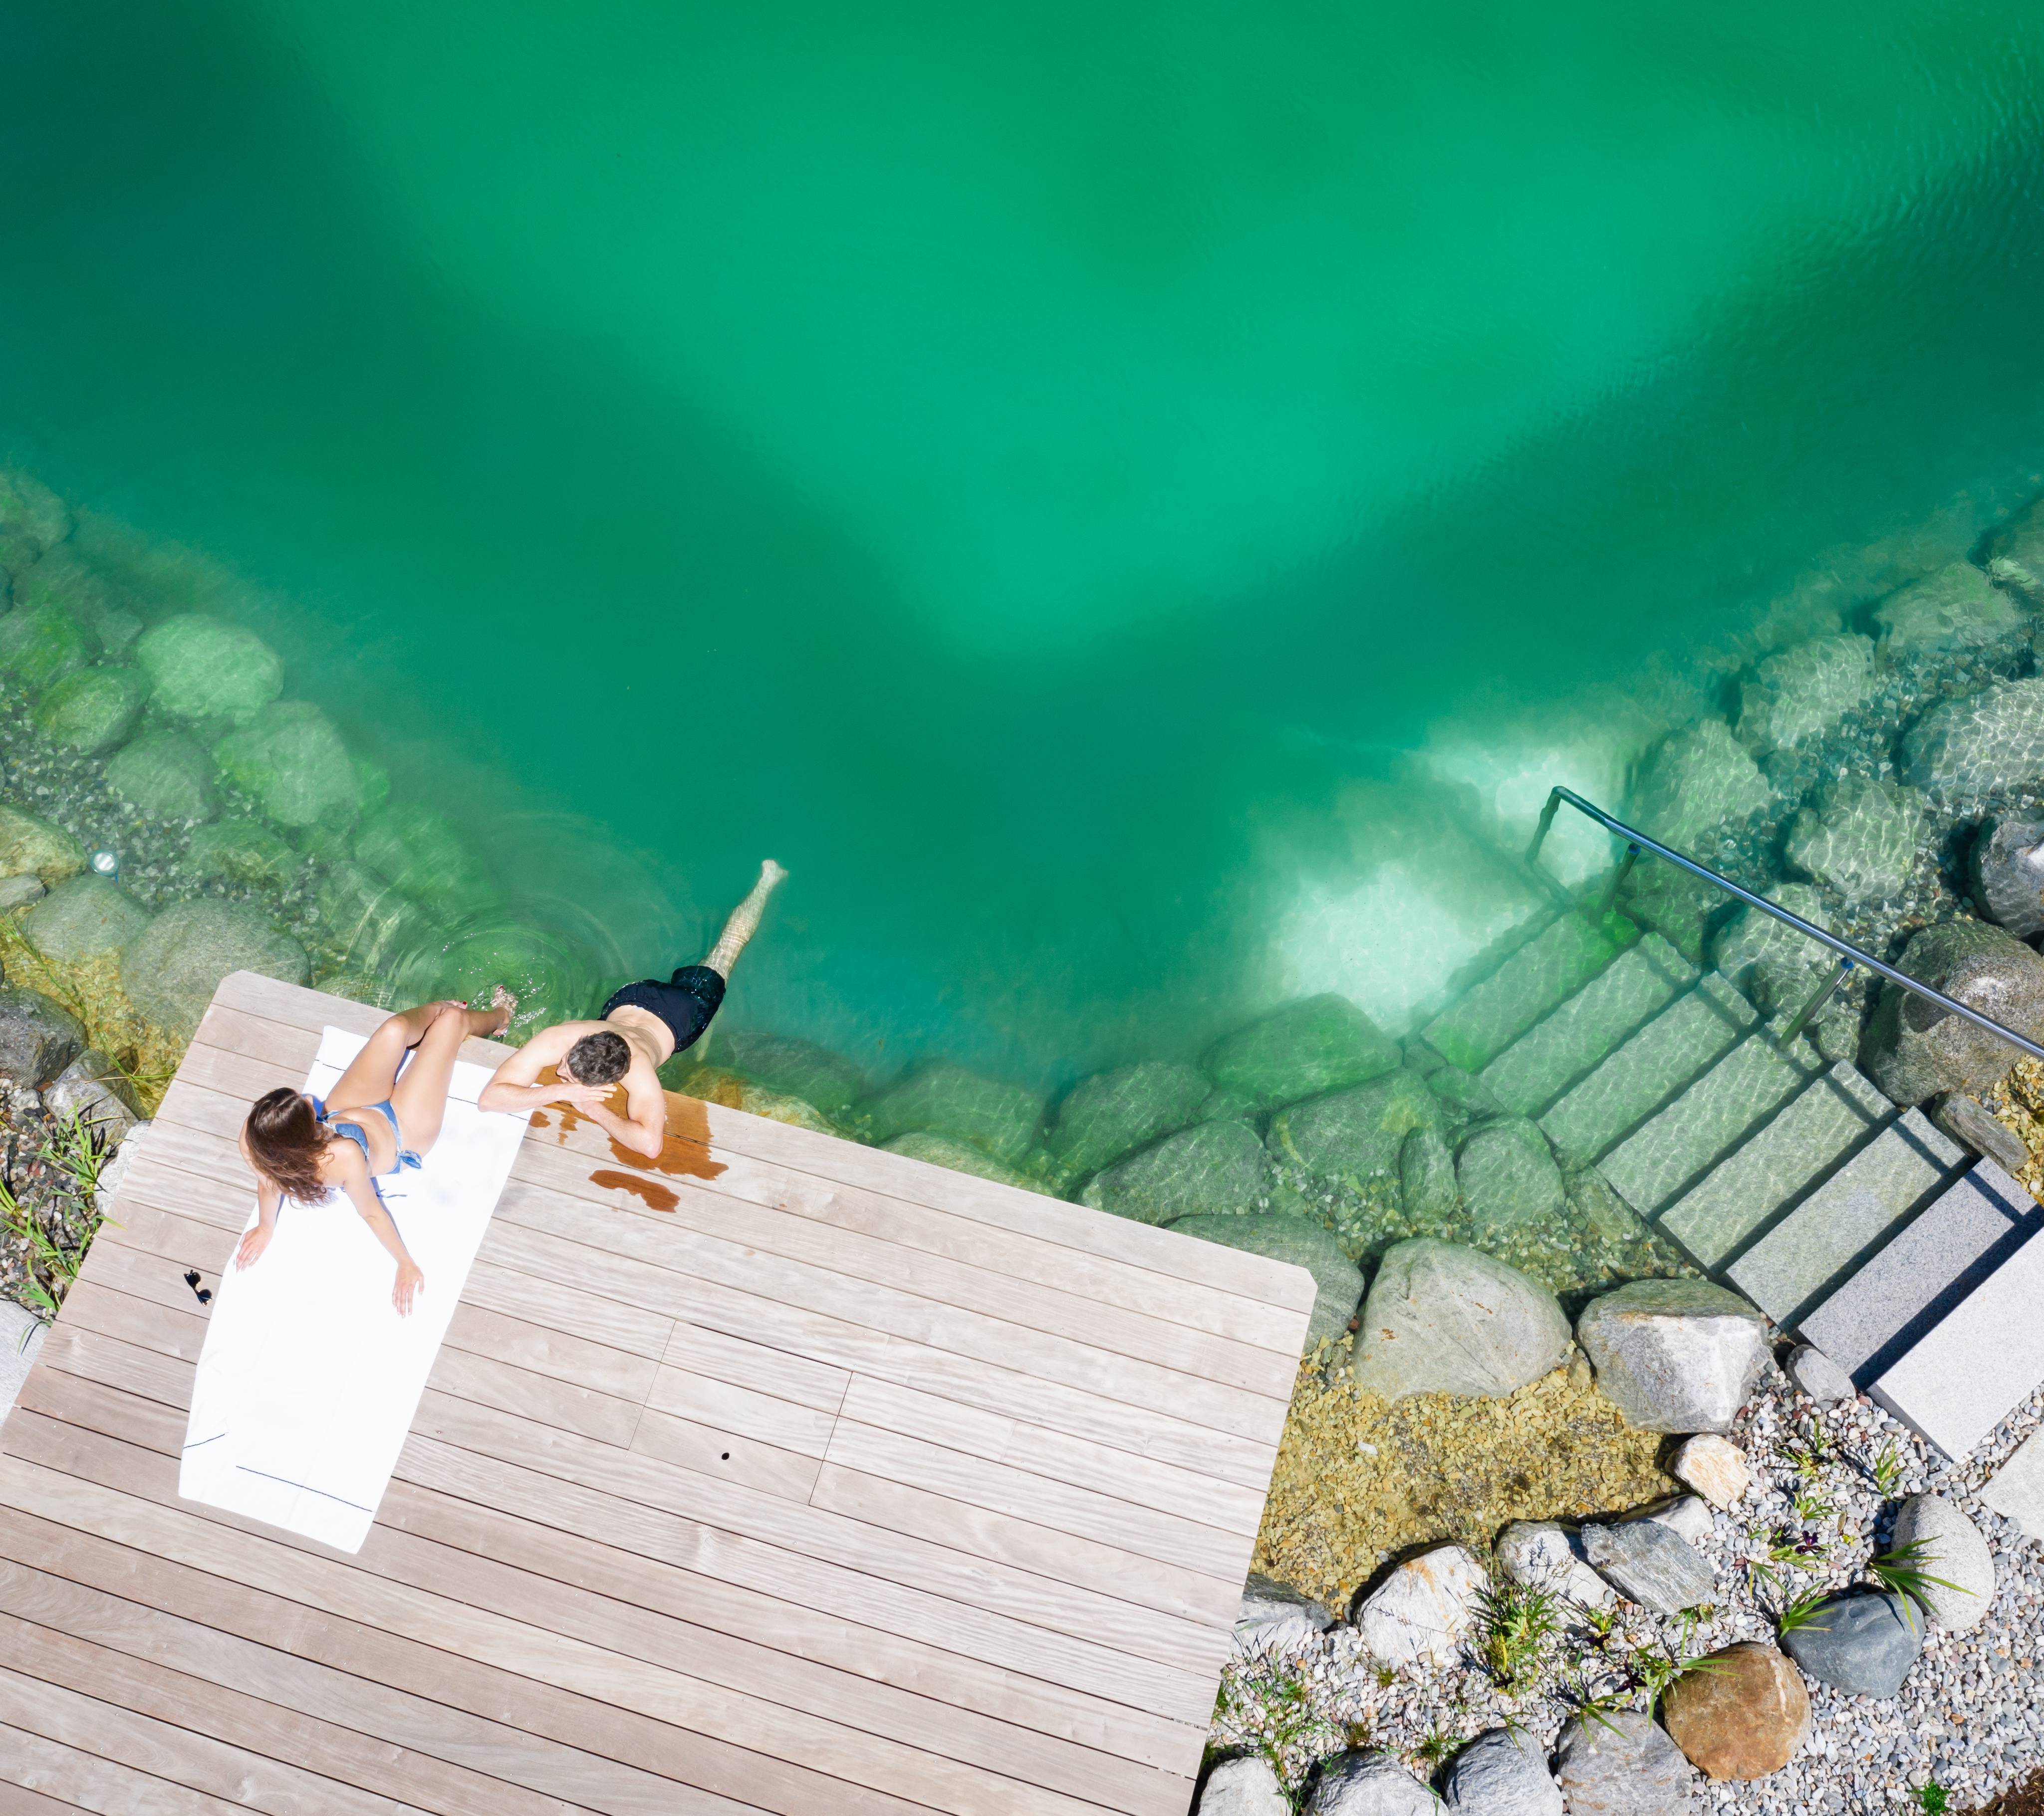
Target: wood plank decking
{"points": [[796, 1476]]}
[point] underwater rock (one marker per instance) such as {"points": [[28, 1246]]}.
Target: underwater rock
{"points": [[1860, 837], [365, 923], [1463, 1095], [38, 1038], [292, 761], [93, 710], [1675, 905], [30, 846], [243, 851], [1979, 743], [40, 644], [1213, 1168], [1356, 1135], [960, 1157], [1698, 781], [33, 518], [713, 1085], [84, 918], [172, 968], [164, 776], [1912, 1048], [65, 579], [1775, 966], [1957, 607], [1508, 1179], [1114, 1113], [1598, 1212], [1674, 1355], [1304, 1049], [1443, 1318], [554, 979], [797, 1068], [205, 670], [2006, 869], [1304, 1243], [372, 784], [415, 850], [18, 892], [1804, 692], [947, 1100], [1427, 1177]]}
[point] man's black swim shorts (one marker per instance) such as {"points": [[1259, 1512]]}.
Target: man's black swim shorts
{"points": [[685, 1004]]}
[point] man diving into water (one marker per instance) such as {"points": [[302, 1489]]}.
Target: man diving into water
{"points": [[640, 1028]]}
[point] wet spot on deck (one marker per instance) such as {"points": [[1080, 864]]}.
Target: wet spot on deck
{"points": [[653, 1196]]}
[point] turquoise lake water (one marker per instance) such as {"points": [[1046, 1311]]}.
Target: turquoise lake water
{"points": [[1127, 504]]}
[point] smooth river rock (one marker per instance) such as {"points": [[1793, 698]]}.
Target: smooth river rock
{"points": [[1443, 1318], [1952, 1549], [38, 1038], [1862, 1642], [1502, 1772], [1358, 1783], [1622, 1763], [1303, 1242], [1913, 1049], [1650, 1563], [292, 762], [1247, 1785], [1114, 1113], [949, 1101], [1674, 1355], [85, 918], [1214, 1169], [172, 968], [206, 670], [1423, 1610], [1356, 1136], [1508, 1178], [1742, 1715], [2006, 869], [1304, 1049], [93, 710], [164, 776], [31, 847]]}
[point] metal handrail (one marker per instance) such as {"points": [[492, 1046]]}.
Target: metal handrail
{"points": [[1849, 954]]}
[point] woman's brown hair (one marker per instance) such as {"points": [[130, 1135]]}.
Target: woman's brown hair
{"points": [[285, 1141]]}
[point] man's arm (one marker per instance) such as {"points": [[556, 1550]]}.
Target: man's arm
{"points": [[642, 1128], [514, 1086]]}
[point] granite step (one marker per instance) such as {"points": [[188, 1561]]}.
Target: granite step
{"points": [[1550, 1056], [1978, 1363], [1836, 1228], [1547, 969], [1696, 1030], [1832, 1115], [1881, 1312], [1655, 1165]]}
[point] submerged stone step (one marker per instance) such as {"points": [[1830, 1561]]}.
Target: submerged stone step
{"points": [[1652, 1167], [1985, 1357], [1840, 1224], [1552, 965], [1880, 1313], [1694, 1032], [1550, 1056], [1745, 1192]]}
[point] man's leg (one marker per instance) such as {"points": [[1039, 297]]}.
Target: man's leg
{"points": [[745, 920]]}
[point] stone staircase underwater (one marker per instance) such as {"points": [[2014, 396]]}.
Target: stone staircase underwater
{"points": [[1854, 1223]]}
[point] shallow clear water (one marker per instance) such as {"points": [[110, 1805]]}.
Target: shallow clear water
{"points": [[1042, 474]]}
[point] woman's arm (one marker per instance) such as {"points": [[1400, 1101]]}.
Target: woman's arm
{"points": [[356, 1182], [269, 1200]]}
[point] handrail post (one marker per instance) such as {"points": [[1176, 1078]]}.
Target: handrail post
{"points": [[1618, 879], [1546, 820], [1825, 992]]}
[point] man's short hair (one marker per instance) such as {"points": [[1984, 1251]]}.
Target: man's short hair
{"points": [[598, 1058]]}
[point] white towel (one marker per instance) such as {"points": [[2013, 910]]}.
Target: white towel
{"points": [[309, 1379]]}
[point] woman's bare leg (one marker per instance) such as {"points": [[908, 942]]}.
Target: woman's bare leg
{"points": [[745, 920], [373, 1071], [420, 1097]]}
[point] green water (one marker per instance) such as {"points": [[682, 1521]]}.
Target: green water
{"points": [[1038, 470]]}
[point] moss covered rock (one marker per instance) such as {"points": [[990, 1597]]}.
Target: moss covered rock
{"points": [[1356, 1136], [960, 1157], [796, 1068], [365, 923], [93, 710], [1337, 1280], [64, 577], [33, 847], [242, 850], [1216, 1168], [1114, 1113], [164, 776], [85, 918], [1307, 1048], [40, 644], [945, 1100], [415, 850], [33, 518], [205, 669], [171, 969], [293, 762]]}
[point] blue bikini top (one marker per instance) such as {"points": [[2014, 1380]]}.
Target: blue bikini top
{"points": [[356, 1133]]}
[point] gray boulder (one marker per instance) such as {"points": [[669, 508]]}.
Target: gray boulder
{"points": [[1425, 1608], [93, 1090], [1802, 692], [205, 670], [1274, 1614], [93, 710], [1304, 1243], [1357, 1783], [63, 577], [1862, 1642], [40, 644], [1356, 1135], [1967, 1121], [1247, 1786], [1913, 1049], [1542, 1554], [244, 851], [1426, 1178], [2006, 868], [1956, 608], [415, 850], [1304, 1049], [941, 1150], [1775, 966], [1979, 743], [795, 1068], [1215, 1169], [1698, 781], [1650, 1564], [1674, 1355], [171, 969], [1815, 1374], [18, 892], [949, 1101], [32, 519], [365, 924], [1463, 1095], [164, 776], [1114, 1113], [1622, 1763], [1860, 837], [1599, 1212], [30, 846], [1442, 1318], [85, 918], [1947, 1544], [1503, 1773], [1508, 1179], [38, 1038], [291, 762]]}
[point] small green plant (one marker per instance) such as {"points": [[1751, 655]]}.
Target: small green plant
{"points": [[1810, 1456], [1515, 1623], [1658, 1670], [1436, 1747], [1884, 1470], [1802, 1612], [1272, 1711], [1933, 1798], [78, 1150], [1902, 1570], [1813, 1508]]}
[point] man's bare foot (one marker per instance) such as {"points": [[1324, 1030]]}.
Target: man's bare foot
{"points": [[771, 875]]}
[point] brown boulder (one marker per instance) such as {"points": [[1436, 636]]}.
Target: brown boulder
{"points": [[1741, 1712]]}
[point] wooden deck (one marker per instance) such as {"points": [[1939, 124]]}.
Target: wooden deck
{"points": [[848, 1486]]}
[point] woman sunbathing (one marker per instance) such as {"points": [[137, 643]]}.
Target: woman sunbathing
{"points": [[373, 1123]]}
